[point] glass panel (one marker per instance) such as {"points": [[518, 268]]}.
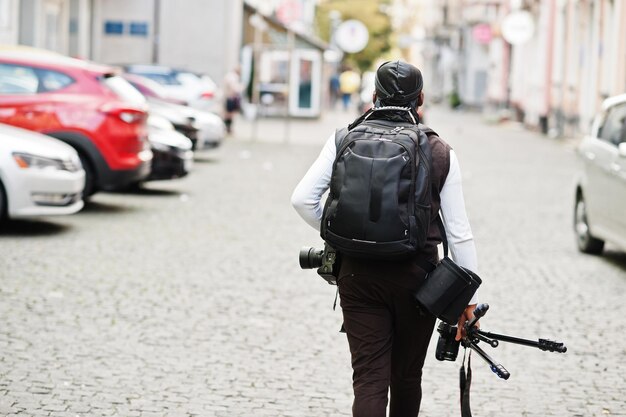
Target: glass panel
{"points": [[304, 84], [52, 80], [614, 128], [15, 79]]}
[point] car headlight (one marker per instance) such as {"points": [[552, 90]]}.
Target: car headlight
{"points": [[25, 160]]}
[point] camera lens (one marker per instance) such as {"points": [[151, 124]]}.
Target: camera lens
{"points": [[447, 347], [311, 258]]}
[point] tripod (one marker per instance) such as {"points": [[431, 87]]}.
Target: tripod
{"points": [[475, 335]]}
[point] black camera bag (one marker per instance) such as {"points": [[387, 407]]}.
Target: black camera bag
{"points": [[448, 288]]}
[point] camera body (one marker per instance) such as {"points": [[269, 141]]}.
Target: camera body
{"points": [[325, 260], [447, 346]]}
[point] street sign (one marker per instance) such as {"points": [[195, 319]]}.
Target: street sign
{"points": [[289, 11], [482, 33], [518, 27], [352, 36]]}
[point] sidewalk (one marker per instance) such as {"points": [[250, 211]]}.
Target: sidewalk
{"points": [[298, 131], [291, 130]]}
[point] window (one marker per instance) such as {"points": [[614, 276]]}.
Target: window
{"points": [[161, 78], [16, 79], [53, 80], [614, 128], [19, 79]]}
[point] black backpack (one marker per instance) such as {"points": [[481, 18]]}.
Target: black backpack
{"points": [[379, 200]]}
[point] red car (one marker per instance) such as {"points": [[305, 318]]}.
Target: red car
{"points": [[85, 105]]}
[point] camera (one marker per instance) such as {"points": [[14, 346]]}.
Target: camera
{"points": [[325, 260], [447, 346]]}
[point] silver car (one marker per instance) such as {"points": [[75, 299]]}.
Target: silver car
{"points": [[600, 210]]}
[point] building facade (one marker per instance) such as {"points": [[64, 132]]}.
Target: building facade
{"points": [[555, 80], [200, 35]]}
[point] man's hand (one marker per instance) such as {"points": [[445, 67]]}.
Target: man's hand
{"points": [[467, 315]]}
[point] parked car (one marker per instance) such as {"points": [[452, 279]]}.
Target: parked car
{"points": [[173, 157], [196, 90], [600, 205], [79, 103], [205, 129], [39, 175], [151, 89]]}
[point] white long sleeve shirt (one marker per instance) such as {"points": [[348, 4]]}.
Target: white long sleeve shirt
{"points": [[307, 196]]}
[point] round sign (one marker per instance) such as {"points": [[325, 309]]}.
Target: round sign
{"points": [[518, 27], [352, 36]]}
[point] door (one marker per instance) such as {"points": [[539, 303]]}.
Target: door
{"points": [[305, 83], [618, 176], [612, 173]]}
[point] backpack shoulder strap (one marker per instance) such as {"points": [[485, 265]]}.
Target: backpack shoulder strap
{"points": [[427, 130]]}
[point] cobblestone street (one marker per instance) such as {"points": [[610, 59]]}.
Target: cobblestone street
{"points": [[186, 298]]}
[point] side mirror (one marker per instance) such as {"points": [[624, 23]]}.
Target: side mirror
{"points": [[621, 149]]}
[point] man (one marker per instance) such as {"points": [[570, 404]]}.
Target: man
{"points": [[349, 82], [387, 333], [232, 95]]}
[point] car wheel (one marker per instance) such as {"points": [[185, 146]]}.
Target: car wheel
{"points": [[586, 242], [89, 177]]}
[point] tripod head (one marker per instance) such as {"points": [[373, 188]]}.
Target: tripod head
{"points": [[448, 347]]}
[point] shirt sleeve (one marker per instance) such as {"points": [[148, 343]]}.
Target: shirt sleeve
{"points": [[458, 231], [307, 196]]}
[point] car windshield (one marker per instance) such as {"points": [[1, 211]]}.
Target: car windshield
{"points": [[161, 78], [149, 87], [123, 89]]}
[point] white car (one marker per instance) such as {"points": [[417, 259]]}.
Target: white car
{"points": [[39, 175], [211, 130], [173, 157], [196, 90], [600, 210]]}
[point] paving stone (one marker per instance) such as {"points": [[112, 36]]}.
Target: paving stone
{"points": [[186, 299]]}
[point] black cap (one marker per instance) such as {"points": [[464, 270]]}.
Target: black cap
{"points": [[398, 82]]}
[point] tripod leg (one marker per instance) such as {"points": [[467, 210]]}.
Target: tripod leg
{"points": [[497, 368]]}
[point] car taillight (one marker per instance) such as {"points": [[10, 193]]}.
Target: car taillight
{"points": [[207, 94], [130, 117], [127, 115]]}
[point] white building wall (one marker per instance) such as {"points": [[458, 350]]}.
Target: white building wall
{"points": [[9, 20], [201, 35], [473, 70], [44, 24], [80, 29], [110, 48]]}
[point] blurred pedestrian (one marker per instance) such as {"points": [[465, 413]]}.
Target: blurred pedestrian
{"points": [[334, 90], [232, 94], [387, 332], [349, 83]]}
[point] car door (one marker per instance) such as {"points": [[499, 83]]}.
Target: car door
{"points": [[25, 95], [596, 155], [618, 180], [18, 92], [613, 200]]}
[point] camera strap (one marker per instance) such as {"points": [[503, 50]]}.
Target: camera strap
{"points": [[465, 380]]}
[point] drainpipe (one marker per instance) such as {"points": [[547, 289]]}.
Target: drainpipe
{"points": [[549, 64], [156, 31]]}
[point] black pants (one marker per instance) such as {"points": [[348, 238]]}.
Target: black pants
{"points": [[388, 337]]}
